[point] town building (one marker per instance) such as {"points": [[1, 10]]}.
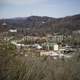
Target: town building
{"points": [[13, 30], [56, 38]]}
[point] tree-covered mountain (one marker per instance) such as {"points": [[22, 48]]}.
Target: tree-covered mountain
{"points": [[39, 25]]}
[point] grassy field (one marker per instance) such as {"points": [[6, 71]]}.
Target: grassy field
{"points": [[18, 67]]}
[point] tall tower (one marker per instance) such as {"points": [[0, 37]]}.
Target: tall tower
{"points": [[4, 26]]}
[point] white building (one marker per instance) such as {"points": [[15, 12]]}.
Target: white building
{"points": [[49, 53], [56, 47], [37, 46], [13, 30]]}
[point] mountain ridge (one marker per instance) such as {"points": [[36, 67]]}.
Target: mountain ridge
{"points": [[44, 24]]}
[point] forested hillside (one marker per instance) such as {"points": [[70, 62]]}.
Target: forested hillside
{"points": [[43, 25]]}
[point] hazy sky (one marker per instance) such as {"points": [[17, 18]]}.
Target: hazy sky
{"points": [[52, 8]]}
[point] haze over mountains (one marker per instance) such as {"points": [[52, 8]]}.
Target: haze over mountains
{"points": [[43, 25]]}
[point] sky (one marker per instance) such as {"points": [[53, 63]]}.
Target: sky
{"points": [[51, 8]]}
